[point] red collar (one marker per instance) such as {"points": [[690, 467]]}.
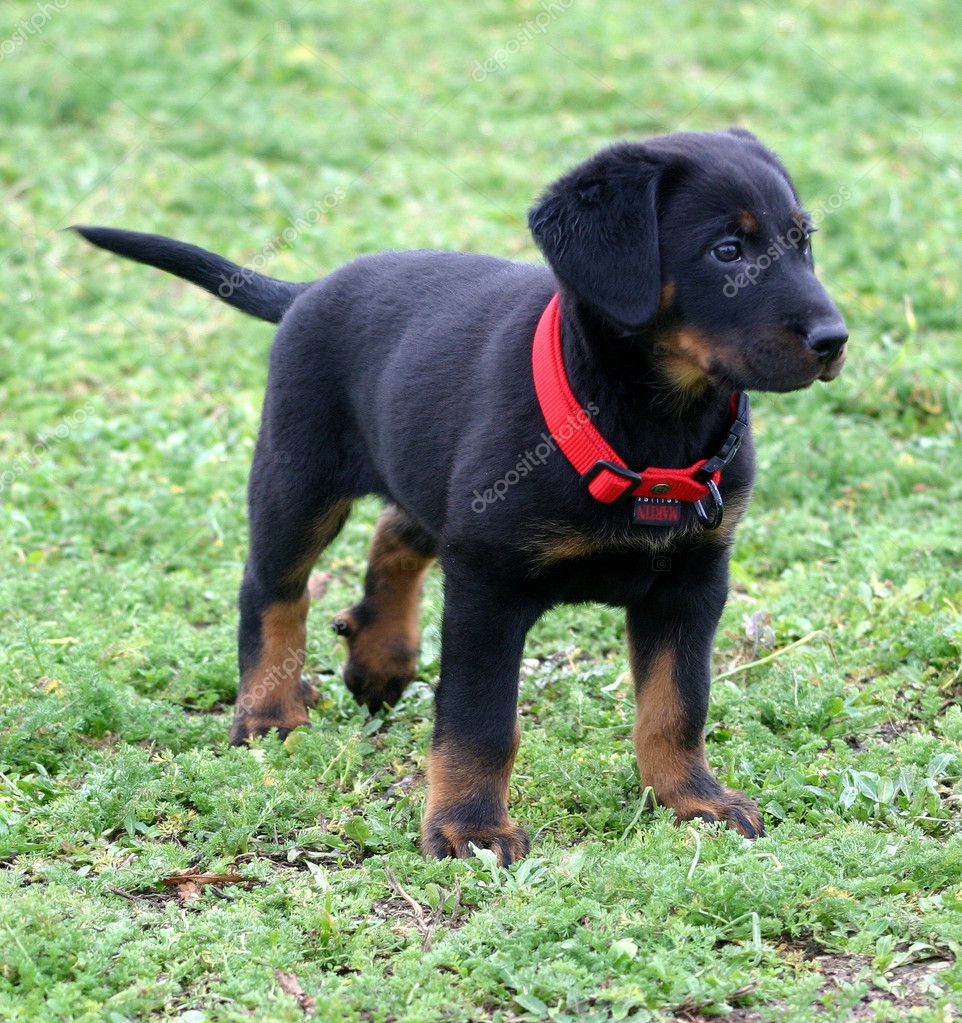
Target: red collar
{"points": [[603, 474]]}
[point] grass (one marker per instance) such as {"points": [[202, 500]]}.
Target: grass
{"points": [[294, 136]]}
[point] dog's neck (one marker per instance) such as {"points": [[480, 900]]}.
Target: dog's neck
{"points": [[640, 412]]}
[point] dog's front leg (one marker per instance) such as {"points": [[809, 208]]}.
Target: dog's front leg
{"points": [[476, 731], [670, 638]]}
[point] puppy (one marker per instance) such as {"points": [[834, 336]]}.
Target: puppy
{"points": [[551, 434]]}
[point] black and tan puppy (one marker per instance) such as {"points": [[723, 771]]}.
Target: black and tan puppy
{"points": [[685, 277]]}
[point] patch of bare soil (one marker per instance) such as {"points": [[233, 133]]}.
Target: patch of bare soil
{"points": [[912, 985]]}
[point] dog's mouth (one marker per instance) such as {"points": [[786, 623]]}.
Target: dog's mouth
{"points": [[833, 366], [784, 374], [694, 360]]}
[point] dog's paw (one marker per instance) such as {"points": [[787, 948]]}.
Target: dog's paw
{"points": [[252, 727], [310, 694], [372, 690], [380, 662], [254, 721], [729, 806], [443, 836]]}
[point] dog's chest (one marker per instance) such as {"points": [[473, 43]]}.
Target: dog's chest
{"points": [[652, 530], [551, 544]]}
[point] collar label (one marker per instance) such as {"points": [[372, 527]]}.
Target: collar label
{"points": [[656, 511]]}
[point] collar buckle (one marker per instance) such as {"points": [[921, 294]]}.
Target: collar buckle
{"points": [[736, 434], [724, 456]]}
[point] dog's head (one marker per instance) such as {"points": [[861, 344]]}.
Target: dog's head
{"points": [[698, 241]]}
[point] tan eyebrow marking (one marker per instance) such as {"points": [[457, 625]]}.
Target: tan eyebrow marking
{"points": [[748, 222]]}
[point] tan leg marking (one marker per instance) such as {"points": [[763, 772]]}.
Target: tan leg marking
{"points": [[323, 531], [468, 805], [664, 763], [271, 695], [677, 771], [382, 631]]}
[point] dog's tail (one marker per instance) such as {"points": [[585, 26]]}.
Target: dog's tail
{"points": [[253, 293]]}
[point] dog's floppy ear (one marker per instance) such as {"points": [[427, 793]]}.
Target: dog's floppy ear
{"points": [[764, 152], [743, 133], [598, 228]]}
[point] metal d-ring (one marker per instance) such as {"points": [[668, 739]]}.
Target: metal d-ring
{"points": [[713, 520]]}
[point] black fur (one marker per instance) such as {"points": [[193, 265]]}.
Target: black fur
{"points": [[252, 293], [408, 375]]}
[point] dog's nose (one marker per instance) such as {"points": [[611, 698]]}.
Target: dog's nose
{"points": [[826, 339]]}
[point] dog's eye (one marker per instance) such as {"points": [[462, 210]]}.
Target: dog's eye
{"points": [[727, 252], [803, 237]]}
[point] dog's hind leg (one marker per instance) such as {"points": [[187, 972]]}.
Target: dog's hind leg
{"points": [[293, 517], [382, 631]]}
